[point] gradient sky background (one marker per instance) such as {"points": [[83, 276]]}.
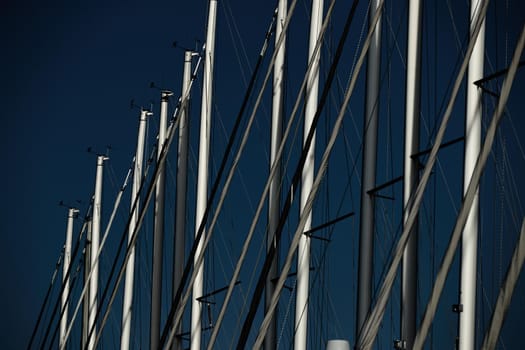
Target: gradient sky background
{"points": [[69, 71]]}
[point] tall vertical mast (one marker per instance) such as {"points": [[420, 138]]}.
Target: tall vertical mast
{"points": [[270, 341], [87, 269], [130, 268], [182, 181], [467, 294], [303, 252], [95, 239], [410, 179], [368, 178], [67, 262], [158, 229], [202, 178]]}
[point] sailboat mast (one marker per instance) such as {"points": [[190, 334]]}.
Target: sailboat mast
{"points": [[158, 229], [411, 174], [95, 241], [67, 262], [202, 177], [307, 177], [130, 268], [270, 342], [368, 178], [467, 293], [87, 269], [182, 182]]}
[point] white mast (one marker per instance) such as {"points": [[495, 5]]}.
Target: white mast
{"points": [[274, 206], [158, 229], [467, 293], [95, 238], [130, 268], [87, 269], [368, 178], [182, 181], [202, 178], [410, 179], [67, 262], [303, 252]]}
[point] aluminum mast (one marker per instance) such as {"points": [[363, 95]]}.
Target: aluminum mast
{"points": [[95, 240], [467, 293], [366, 222], [274, 207], [130, 268], [67, 262], [202, 178], [158, 229], [307, 177], [182, 181], [411, 174], [87, 269]]}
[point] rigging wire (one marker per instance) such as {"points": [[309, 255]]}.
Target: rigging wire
{"points": [[234, 31]]}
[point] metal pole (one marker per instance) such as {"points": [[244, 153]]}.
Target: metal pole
{"points": [[270, 342], [182, 182], [307, 177], [97, 214], [130, 268], [467, 292], [411, 174], [366, 238], [67, 262], [87, 269], [158, 229], [202, 177]]}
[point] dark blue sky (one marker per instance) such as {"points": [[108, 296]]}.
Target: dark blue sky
{"points": [[69, 71]]}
